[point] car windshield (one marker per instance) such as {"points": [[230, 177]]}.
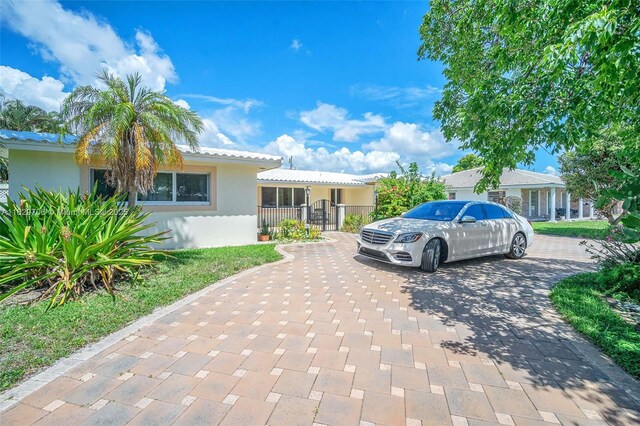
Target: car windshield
{"points": [[436, 210]]}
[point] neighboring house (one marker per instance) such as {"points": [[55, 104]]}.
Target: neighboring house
{"points": [[324, 197], [544, 197], [211, 201], [4, 191]]}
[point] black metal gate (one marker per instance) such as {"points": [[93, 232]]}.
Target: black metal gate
{"points": [[324, 214]]}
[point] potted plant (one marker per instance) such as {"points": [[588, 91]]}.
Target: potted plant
{"points": [[264, 232]]}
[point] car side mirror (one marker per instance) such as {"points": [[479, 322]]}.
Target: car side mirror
{"points": [[402, 214], [468, 219]]}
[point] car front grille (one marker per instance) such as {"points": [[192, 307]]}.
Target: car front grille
{"points": [[374, 236]]}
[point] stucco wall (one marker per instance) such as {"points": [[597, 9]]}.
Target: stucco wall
{"points": [[229, 220], [356, 196], [53, 171]]}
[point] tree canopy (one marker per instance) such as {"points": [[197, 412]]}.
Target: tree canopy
{"points": [[133, 128], [399, 193], [469, 161], [16, 115], [530, 75]]}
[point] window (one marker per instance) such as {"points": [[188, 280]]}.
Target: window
{"points": [[495, 212], [282, 197], [336, 196], [497, 196], [98, 177], [476, 211], [192, 187], [168, 188], [452, 195], [162, 189], [269, 197], [436, 210]]}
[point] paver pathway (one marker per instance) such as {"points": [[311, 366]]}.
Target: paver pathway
{"points": [[338, 339]]}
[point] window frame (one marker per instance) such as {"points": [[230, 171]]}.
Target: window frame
{"points": [[174, 190], [278, 205]]}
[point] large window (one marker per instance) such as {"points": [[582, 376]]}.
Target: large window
{"points": [[497, 196], [282, 197], [336, 196], [168, 188]]}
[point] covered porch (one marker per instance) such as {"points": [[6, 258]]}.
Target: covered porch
{"points": [[554, 203]]}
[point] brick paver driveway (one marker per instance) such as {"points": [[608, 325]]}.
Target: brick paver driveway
{"points": [[337, 339]]}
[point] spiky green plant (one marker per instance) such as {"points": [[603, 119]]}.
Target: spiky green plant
{"points": [[67, 243]]}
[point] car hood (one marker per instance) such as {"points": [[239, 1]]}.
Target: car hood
{"points": [[400, 225]]}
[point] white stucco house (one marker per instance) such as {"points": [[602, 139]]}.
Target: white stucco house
{"points": [[210, 202], [544, 197]]}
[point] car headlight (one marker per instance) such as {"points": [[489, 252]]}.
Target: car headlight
{"points": [[410, 237]]}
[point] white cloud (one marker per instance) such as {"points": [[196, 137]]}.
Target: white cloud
{"points": [[550, 170], [410, 140], [47, 93], [181, 102], [213, 137], [245, 104], [296, 44], [332, 118], [343, 159], [398, 96], [82, 44]]}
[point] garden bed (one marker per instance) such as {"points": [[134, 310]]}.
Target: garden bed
{"points": [[33, 338]]}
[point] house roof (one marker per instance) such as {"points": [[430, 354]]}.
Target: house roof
{"points": [[509, 178], [51, 139], [316, 177]]}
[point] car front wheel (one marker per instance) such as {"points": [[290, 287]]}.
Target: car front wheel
{"points": [[431, 256], [518, 246]]}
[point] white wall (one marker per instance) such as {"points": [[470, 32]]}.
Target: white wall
{"points": [[468, 194], [233, 223], [53, 171]]}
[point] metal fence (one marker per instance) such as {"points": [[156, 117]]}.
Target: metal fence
{"points": [[367, 212], [274, 215]]}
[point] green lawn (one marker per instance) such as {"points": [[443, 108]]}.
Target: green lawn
{"points": [[582, 229], [577, 298], [32, 338]]}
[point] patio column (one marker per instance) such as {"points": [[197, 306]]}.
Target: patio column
{"points": [[567, 214], [552, 205], [580, 208], [591, 210], [341, 214]]}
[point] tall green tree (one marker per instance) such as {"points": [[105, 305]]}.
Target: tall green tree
{"points": [[16, 115], [587, 173], [399, 193], [133, 128], [529, 75], [469, 161]]}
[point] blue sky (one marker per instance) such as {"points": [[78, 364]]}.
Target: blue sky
{"points": [[336, 85]]}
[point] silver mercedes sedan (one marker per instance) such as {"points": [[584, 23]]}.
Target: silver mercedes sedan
{"points": [[445, 231]]}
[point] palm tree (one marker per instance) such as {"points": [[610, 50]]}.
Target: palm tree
{"points": [[15, 115], [133, 128]]}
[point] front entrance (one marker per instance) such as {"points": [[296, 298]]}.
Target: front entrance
{"points": [[324, 214]]}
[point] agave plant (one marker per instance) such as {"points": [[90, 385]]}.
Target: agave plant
{"points": [[68, 242]]}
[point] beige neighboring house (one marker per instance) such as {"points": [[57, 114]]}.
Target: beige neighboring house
{"points": [[544, 197], [210, 202], [325, 198]]}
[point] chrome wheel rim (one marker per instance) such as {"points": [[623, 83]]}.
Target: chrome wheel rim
{"points": [[519, 244]]}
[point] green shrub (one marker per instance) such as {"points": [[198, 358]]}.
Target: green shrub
{"points": [[514, 203], [620, 281], [68, 242], [353, 223], [291, 229]]}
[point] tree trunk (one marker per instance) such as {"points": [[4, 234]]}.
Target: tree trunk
{"points": [[132, 198]]}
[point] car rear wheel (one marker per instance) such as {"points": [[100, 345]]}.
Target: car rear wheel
{"points": [[431, 256], [518, 246]]}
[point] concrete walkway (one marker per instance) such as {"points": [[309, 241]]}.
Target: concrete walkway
{"points": [[337, 339]]}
